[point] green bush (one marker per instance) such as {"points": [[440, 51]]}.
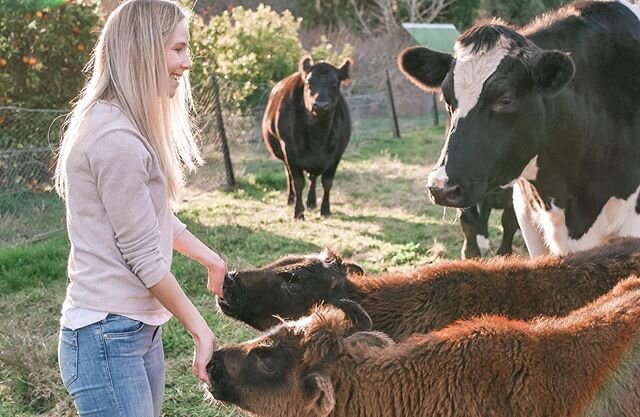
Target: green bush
{"points": [[251, 50], [43, 52]]}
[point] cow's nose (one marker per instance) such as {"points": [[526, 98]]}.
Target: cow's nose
{"points": [[447, 195], [321, 105]]}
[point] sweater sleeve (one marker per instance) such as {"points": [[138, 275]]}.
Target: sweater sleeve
{"points": [[178, 226], [120, 165]]}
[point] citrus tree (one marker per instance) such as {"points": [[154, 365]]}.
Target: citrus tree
{"points": [[43, 51]]}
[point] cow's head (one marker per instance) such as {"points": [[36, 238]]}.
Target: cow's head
{"points": [[287, 288], [322, 85], [290, 371], [493, 86]]}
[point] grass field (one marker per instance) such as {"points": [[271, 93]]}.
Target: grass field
{"points": [[381, 218]]}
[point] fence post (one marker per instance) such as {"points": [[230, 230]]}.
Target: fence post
{"points": [[394, 117], [435, 109], [222, 134]]}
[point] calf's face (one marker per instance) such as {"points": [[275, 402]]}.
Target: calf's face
{"points": [[287, 288], [289, 370], [322, 85]]}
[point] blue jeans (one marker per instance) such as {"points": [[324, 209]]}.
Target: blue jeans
{"points": [[113, 368]]}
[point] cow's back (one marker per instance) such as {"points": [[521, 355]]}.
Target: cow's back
{"points": [[281, 113]]}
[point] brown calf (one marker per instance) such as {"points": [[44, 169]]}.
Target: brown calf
{"points": [[586, 364], [433, 296]]}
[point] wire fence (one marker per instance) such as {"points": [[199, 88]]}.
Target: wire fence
{"points": [[30, 209]]}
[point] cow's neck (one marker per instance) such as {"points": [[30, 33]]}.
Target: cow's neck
{"points": [[319, 129], [560, 149]]}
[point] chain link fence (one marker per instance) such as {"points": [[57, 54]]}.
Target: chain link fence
{"points": [[30, 209]]}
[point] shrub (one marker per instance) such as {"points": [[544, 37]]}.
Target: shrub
{"points": [[42, 52], [250, 50]]}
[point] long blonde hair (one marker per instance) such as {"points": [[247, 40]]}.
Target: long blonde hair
{"points": [[128, 65]]}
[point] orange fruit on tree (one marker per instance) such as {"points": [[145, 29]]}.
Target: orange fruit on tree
{"points": [[32, 61], [81, 47], [3, 62]]}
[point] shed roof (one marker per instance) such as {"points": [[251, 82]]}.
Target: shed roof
{"points": [[437, 36]]}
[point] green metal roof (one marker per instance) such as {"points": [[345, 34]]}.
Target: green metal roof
{"points": [[437, 36]]}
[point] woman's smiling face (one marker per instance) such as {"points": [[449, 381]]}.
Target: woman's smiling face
{"points": [[177, 55]]}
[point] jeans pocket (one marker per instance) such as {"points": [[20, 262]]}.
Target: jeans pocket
{"points": [[68, 355], [116, 326]]}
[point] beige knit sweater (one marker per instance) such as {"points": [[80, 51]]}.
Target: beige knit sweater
{"points": [[119, 223]]}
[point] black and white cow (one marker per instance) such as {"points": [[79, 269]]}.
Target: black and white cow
{"points": [[552, 109]]}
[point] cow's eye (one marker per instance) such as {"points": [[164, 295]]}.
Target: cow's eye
{"points": [[504, 103]]}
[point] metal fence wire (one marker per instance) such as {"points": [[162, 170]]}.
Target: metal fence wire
{"points": [[30, 209]]}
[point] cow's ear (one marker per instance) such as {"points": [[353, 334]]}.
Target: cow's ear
{"points": [[343, 71], [319, 394], [305, 65], [552, 70], [424, 67]]}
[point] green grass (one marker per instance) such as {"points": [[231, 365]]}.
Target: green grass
{"points": [[381, 218]]}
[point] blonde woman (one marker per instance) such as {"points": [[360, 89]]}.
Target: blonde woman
{"points": [[120, 171]]}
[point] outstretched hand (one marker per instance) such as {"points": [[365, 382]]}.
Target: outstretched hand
{"points": [[216, 272], [205, 345]]}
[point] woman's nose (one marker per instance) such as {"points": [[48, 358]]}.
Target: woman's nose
{"points": [[186, 64]]}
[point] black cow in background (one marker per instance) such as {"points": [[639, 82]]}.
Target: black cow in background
{"points": [[307, 125], [475, 224]]}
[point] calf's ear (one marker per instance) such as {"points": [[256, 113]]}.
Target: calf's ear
{"points": [[360, 320], [352, 268], [319, 394], [343, 71], [552, 70], [424, 67], [369, 339]]}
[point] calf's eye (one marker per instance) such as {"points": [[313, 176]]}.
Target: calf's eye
{"points": [[266, 364]]}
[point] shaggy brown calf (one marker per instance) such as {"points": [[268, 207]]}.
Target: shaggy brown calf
{"points": [[586, 364], [433, 296]]}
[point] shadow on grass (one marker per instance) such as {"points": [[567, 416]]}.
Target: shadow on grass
{"points": [[401, 232]]}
